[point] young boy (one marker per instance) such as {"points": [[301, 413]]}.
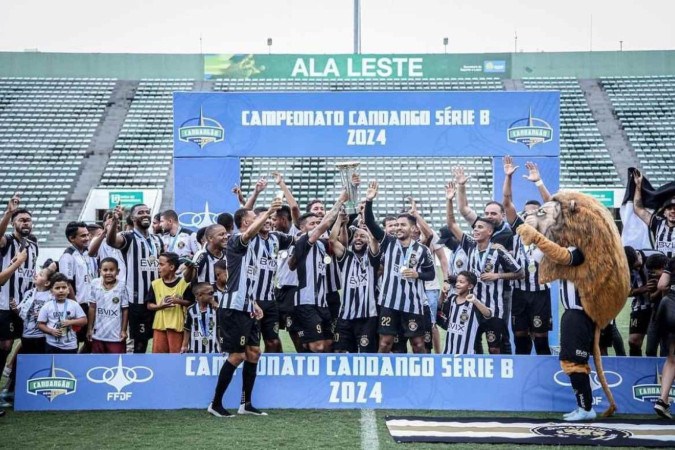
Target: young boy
{"points": [[166, 298], [59, 316], [220, 285], [108, 310], [464, 314], [199, 335]]}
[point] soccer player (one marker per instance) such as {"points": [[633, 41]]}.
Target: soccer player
{"points": [[168, 297], [200, 333], [465, 312], [205, 259], [239, 314], [662, 229], [356, 329], [266, 247], [58, 317], [311, 259], [156, 226], [22, 278], [177, 239], [140, 250], [80, 268], [531, 313], [665, 319], [492, 265], [220, 284], [108, 311], [641, 306], [407, 265], [655, 264], [99, 248]]}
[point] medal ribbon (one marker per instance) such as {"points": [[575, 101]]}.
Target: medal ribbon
{"points": [[483, 261], [203, 320], [146, 241]]}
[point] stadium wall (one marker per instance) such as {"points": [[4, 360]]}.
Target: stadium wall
{"points": [[196, 66]]}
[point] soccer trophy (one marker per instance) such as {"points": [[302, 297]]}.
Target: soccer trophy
{"points": [[347, 170]]}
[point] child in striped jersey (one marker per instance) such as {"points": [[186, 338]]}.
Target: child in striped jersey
{"points": [[108, 310], [462, 313], [200, 333]]}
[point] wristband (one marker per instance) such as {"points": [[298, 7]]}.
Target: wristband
{"points": [[539, 183]]}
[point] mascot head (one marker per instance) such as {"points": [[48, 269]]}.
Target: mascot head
{"points": [[573, 219]]}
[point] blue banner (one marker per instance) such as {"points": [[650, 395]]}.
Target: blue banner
{"points": [[351, 124], [202, 189], [308, 381]]}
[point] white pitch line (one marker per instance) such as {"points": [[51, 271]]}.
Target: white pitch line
{"points": [[369, 439]]}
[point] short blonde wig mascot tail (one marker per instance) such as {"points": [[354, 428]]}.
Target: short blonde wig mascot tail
{"points": [[572, 219]]}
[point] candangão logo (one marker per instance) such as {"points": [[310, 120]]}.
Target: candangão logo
{"points": [[201, 131], [529, 131], [51, 382], [644, 390]]}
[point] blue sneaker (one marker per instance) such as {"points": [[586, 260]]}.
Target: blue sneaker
{"points": [[581, 414]]}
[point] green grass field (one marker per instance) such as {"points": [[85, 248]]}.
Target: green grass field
{"points": [[283, 429]]}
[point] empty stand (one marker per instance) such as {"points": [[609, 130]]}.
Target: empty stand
{"points": [[584, 159], [46, 125], [142, 154], [645, 106]]}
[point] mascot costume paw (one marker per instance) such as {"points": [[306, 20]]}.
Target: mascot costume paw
{"points": [[572, 219]]}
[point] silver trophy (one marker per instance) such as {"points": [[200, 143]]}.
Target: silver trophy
{"points": [[347, 169]]}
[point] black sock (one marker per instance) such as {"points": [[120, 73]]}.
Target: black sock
{"points": [[140, 346], [224, 378], [3, 359], [634, 350], [523, 345], [541, 345], [581, 383], [248, 375]]}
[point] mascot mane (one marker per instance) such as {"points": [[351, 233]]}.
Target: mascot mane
{"points": [[603, 279]]}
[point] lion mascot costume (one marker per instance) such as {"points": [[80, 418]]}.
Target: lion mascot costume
{"points": [[602, 279]]}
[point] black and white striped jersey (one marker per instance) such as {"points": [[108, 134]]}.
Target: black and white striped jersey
{"points": [[523, 255], [206, 262], [398, 292], [141, 255], [184, 243], [312, 260], [202, 326], [663, 236], [359, 275], [22, 279], [266, 255], [286, 276], [243, 273], [491, 260], [569, 295], [463, 323]]}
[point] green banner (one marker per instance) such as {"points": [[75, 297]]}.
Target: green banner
{"points": [[124, 198], [606, 197], [357, 66]]}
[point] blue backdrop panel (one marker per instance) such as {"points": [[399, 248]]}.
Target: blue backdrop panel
{"points": [[497, 383], [203, 189], [459, 124]]}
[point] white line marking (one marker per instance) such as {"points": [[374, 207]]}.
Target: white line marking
{"points": [[369, 439]]}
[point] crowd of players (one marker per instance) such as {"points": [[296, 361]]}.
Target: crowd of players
{"points": [[333, 281]]}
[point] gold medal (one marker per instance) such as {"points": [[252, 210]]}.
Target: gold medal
{"points": [[532, 267], [205, 342], [152, 259]]}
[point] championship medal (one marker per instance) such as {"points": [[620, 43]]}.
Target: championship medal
{"points": [[327, 259]]}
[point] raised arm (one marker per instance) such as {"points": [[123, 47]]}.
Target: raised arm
{"points": [[338, 248], [95, 244], [369, 217], [450, 214], [288, 195], [509, 208], [534, 176], [462, 203], [12, 205], [259, 187], [17, 262], [638, 207], [114, 239], [236, 190], [423, 226], [329, 218], [259, 222]]}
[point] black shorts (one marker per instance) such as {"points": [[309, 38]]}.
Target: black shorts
{"points": [[333, 300], [531, 311], [269, 324], [400, 344], [576, 336], [356, 335], [639, 321], [11, 325], [606, 340], [82, 332], [314, 322], [392, 322], [33, 346], [140, 322], [285, 297], [494, 329], [237, 330]]}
